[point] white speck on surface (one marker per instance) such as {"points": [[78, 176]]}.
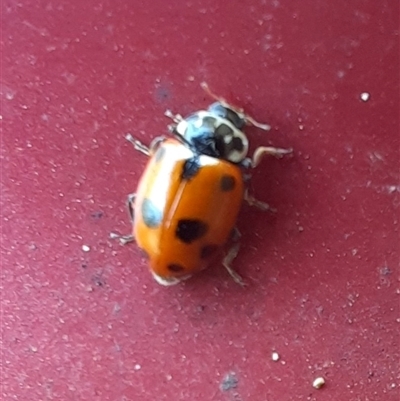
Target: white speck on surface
{"points": [[85, 248], [33, 348], [365, 96], [318, 382], [275, 356], [137, 367], [393, 188], [341, 74]]}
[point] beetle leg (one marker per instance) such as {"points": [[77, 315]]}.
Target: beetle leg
{"points": [[123, 239], [229, 257], [235, 235], [147, 150], [268, 150], [253, 163], [172, 128], [248, 119], [138, 145], [252, 201], [176, 118], [251, 121], [130, 202]]}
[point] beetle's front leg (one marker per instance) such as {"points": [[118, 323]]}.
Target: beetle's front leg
{"points": [[146, 150], [176, 118], [247, 119], [138, 145]]}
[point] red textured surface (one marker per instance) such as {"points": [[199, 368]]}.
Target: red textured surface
{"points": [[323, 272]]}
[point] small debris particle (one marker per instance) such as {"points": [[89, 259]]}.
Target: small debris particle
{"points": [[275, 356], [318, 382], [229, 382], [85, 248], [33, 348], [98, 280], [98, 214], [385, 271], [365, 96], [137, 367]]}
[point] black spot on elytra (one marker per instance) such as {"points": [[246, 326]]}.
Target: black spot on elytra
{"points": [[208, 250], [159, 154], [152, 216], [189, 230], [237, 144], [190, 168], [176, 268], [227, 183]]}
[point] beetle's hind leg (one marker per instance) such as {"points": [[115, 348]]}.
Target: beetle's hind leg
{"points": [[231, 255], [252, 201], [125, 239]]}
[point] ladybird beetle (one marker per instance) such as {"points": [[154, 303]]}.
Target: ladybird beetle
{"points": [[186, 205]]}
